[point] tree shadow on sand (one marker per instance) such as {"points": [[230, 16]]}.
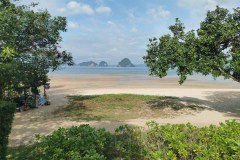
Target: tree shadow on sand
{"points": [[222, 101], [77, 110], [175, 103]]}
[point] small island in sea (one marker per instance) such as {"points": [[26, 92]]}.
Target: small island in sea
{"points": [[88, 64], [125, 63], [103, 64]]}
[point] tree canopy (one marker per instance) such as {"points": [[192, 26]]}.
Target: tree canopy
{"points": [[29, 46], [213, 49]]}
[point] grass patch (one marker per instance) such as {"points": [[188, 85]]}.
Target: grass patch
{"points": [[120, 107]]}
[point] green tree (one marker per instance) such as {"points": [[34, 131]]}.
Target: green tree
{"points": [[29, 43], [29, 72], [213, 49]]}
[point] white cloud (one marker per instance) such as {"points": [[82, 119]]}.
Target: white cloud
{"points": [[114, 49], [74, 7], [132, 19], [159, 12], [51, 5], [73, 25], [104, 10], [200, 4], [111, 23], [131, 15], [121, 39], [115, 27], [77, 26], [99, 2], [111, 48], [200, 7], [133, 43], [134, 29], [86, 29]]}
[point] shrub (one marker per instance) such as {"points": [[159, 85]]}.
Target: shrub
{"points": [[7, 110], [128, 143], [83, 142], [178, 141], [190, 142]]}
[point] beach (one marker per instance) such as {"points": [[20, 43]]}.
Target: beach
{"points": [[220, 97]]}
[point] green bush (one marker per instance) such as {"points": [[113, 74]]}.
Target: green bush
{"points": [[7, 110], [83, 142], [128, 143], [190, 142], [165, 142]]}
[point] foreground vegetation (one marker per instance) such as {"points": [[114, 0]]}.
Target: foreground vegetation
{"points": [[120, 107], [6, 117], [158, 142]]}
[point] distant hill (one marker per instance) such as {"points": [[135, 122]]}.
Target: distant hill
{"points": [[103, 64], [125, 63], [88, 64]]}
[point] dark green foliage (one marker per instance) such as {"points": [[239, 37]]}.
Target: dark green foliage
{"points": [[213, 49], [7, 110], [81, 142], [179, 142], [20, 152], [129, 143], [29, 47], [190, 142]]}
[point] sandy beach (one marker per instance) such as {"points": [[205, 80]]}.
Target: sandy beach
{"points": [[221, 99]]}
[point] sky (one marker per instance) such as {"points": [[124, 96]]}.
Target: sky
{"points": [[110, 30]]}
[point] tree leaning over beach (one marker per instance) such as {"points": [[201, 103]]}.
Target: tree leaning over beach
{"points": [[28, 38], [213, 49]]}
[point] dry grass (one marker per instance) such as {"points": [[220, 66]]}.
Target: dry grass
{"points": [[120, 107]]}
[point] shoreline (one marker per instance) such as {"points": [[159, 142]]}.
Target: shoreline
{"points": [[95, 81]]}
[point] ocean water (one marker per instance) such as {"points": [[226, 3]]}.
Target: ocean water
{"points": [[107, 71], [102, 70], [129, 71]]}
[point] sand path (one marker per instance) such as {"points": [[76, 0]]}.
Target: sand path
{"points": [[224, 104]]}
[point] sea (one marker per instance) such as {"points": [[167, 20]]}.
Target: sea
{"points": [[137, 71], [110, 70]]}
